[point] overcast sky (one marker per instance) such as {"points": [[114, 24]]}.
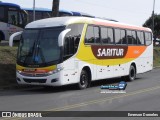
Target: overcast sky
{"points": [[127, 11]]}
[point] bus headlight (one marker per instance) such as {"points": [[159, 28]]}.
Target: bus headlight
{"points": [[55, 71], [19, 71]]}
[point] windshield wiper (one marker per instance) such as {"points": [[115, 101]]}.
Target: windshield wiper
{"points": [[39, 52], [30, 53]]}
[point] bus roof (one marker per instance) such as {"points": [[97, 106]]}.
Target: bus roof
{"points": [[37, 9], [9, 4], [46, 10], [74, 13], [63, 21]]}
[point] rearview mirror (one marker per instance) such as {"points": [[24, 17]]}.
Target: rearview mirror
{"points": [[11, 39], [61, 37]]}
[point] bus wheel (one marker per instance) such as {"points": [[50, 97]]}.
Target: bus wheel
{"points": [[84, 80], [132, 73]]}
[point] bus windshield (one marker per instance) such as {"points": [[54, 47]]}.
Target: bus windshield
{"points": [[40, 46]]}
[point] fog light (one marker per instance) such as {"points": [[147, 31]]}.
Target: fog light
{"points": [[54, 80]]}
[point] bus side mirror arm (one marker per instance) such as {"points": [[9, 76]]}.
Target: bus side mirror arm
{"points": [[61, 37], [11, 38]]}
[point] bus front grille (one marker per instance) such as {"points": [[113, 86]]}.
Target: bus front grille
{"points": [[34, 74], [35, 80]]}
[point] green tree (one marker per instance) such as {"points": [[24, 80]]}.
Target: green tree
{"points": [[148, 23]]}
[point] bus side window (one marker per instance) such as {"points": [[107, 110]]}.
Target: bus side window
{"points": [[129, 37], [134, 38], [38, 15], [13, 17], [107, 35], [76, 42], [20, 19], [96, 35], [2, 14], [104, 37], [72, 40], [68, 47], [117, 36], [120, 36], [140, 38], [123, 37], [110, 36], [89, 35], [92, 35], [148, 38]]}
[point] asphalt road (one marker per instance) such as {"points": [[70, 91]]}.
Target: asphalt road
{"points": [[143, 94]]}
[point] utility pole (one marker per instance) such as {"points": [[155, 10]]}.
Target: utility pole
{"points": [[153, 16], [55, 8], [34, 10]]}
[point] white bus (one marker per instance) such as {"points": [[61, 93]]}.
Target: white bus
{"points": [[12, 19], [78, 50]]}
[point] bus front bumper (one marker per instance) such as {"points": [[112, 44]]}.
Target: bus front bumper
{"points": [[50, 80]]}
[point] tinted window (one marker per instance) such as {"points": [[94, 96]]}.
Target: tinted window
{"points": [[117, 36], [120, 36], [38, 15], [48, 45], [96, 34], [131, 36], [107, 35], [92, 35], [134, 40], [123, 37], [2, 13], [110, 35], [13, 17], [39, 46], [45, 15], [104, 35], [30, 14], [148, 38], [20, 19], [72, 39], [89, 35], [140, 38]]}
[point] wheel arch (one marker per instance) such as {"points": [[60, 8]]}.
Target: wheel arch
{"points": [[89, 71], [2, 35]]}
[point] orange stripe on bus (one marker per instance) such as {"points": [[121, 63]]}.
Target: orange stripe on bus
{"points": [[135, 51]]}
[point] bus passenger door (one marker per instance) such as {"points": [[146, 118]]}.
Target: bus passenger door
{"points": [[70, 72]]}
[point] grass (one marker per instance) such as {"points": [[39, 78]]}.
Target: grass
{"points": [[156, 56], [7, 65], [8, 61]]}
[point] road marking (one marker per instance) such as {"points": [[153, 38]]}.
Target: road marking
{"points": [[103, 100], [93, 101]]}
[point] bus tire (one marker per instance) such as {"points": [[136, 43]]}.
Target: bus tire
{"points": [[132, 73], [84, 80]]}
